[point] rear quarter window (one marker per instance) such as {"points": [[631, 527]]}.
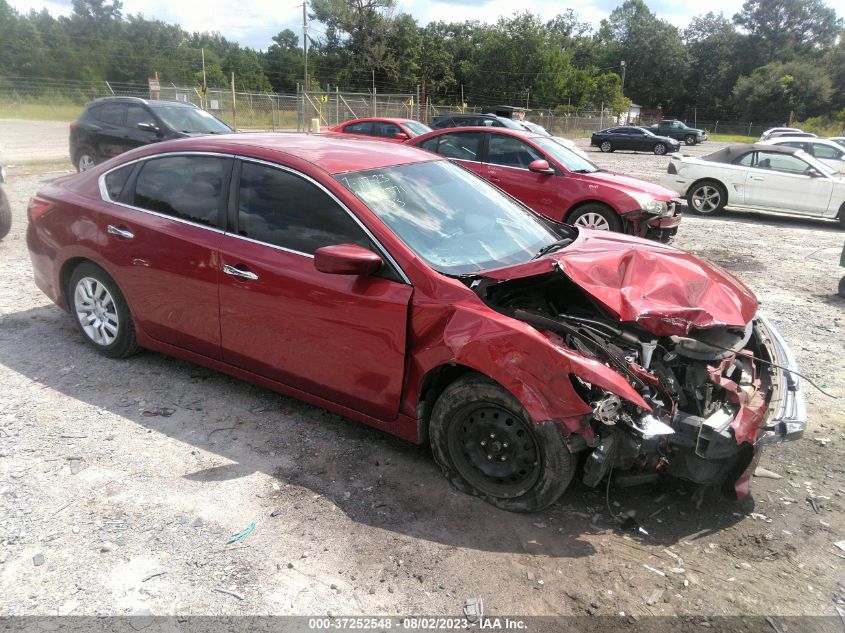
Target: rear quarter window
{"points": [[116, 180]]}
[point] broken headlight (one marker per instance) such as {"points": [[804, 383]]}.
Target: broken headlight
{"points": [[652, 206]]}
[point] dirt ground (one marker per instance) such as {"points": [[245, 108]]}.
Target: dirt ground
{"points": [[122, 481]]}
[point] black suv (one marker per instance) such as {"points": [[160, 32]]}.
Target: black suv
{"points": [[112, 125], [473, 120]]}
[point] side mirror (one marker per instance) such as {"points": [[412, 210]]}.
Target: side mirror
{"points": [[149, 127], [346, 259], [540, 166], [401, 136], [814, 173]]}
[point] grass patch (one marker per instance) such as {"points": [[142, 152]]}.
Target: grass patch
{"points": [[732, 138], [41, 112]]}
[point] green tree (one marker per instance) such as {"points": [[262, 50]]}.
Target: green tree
{"points": [[772, 91]]}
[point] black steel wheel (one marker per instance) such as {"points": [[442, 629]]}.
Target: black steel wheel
{"points": [[488, 446], [494, 449]]}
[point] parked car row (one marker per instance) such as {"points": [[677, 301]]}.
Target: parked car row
{"points": [[389, 285]]}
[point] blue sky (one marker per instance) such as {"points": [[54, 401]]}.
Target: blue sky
{"points": [[254, 22]]}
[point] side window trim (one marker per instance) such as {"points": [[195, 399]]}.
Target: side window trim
{"points": [[233, 202], [123, 200]]}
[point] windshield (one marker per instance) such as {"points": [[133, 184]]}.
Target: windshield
{"points": [[455, 221], [191, 120], [416, 128], [565, 156]]}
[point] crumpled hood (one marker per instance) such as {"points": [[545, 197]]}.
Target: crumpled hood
{"points": [[665, 290], [627, 184]]}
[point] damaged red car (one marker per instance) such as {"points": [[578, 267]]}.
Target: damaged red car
{"points": [[395, 288], [558, 183]]}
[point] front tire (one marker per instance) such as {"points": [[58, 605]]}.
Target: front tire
{"points": [[488, 446], [5, 215], [690, 139], [101, 312], [595, 216], [707, 197], [659, 149], [606, 146]]}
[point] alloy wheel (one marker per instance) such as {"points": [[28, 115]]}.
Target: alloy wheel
{"points": [[86, 162], [592, 220], [96, 311], [706, 199]]}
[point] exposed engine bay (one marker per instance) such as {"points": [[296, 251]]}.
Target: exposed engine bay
{"points": [[712, 392]]}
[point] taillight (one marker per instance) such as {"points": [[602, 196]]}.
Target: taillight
{"points": [[671, 169], [74, 125], [38, 207]]}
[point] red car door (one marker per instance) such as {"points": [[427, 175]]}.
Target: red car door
{"points": [[336, 336], [464, 148], [163, 234], [506, 166]]}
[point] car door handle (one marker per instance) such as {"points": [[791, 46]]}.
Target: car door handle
{"points": [[239, 272], [124, 233], [757, 178]]}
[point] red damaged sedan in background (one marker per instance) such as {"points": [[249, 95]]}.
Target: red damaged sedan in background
{"points": [[395, 288], [557, 183]]}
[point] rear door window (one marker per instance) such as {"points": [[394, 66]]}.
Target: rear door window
{"points": [[185, 187], [116, 180], [509, 151], [458, 145], [362, 127], [111, 113]]}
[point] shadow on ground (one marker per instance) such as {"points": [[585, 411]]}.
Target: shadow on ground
{"points": [[373, 478]]}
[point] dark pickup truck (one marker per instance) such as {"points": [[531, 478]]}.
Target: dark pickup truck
{"points": [[677, 130]]}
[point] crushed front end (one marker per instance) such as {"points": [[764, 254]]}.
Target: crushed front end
{"points": [[658, 221], [717, 394]]}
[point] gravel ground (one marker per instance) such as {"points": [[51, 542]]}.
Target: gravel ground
{"points": [[122, 481]]}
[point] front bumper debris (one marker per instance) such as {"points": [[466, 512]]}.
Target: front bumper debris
{"points": [[787, 416]]}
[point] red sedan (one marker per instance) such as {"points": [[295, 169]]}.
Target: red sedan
{"points": [[395, 288], [394, 130], [557, 183]]}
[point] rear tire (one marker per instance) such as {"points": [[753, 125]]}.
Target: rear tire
{"points": [[488, 446], [606, 146], [85, 159], [707, 197], [595, 216], [101, 312], [5, 215], [659, 149]]}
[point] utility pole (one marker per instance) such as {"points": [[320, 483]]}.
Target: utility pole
{"points": [[374, 93], [424, 104], [623, 66], [204, 84], [305, 42]]}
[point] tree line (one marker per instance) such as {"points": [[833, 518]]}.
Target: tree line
{"points": [[771, 58]]}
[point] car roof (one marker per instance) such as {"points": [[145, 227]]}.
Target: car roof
{"points": [[521, 133], [732, 152], [150, 102], [333, 153], [797, 138], [378, 118]]}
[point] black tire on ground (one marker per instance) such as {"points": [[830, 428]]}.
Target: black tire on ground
{"points": [[660, 148], [707, 197], [590, 211], [5, 214], [841, 216], [606, 146], [114, 315], [85, 159], [690, 139], [528, 466], [842, 287]]}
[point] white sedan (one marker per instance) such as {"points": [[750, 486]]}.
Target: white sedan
{"points": [[827, 151], [761, 177]]}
